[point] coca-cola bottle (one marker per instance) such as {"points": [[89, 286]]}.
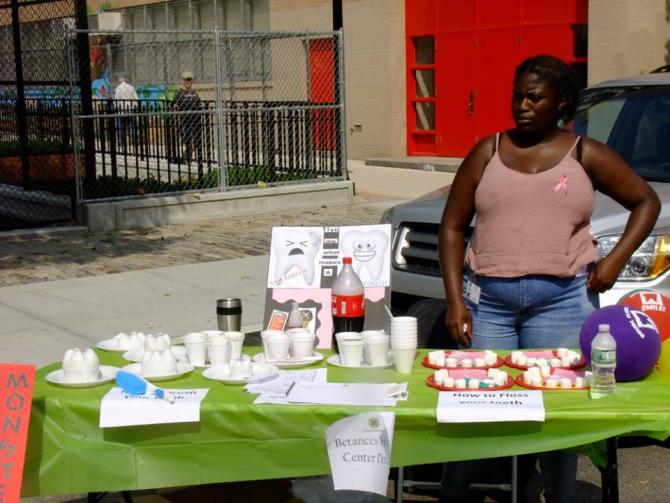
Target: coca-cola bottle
{"points": [[348, 301]]}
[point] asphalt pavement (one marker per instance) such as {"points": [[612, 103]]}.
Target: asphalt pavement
{"points": [[61, 288]]}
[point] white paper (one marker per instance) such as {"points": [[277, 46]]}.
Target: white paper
{"points": [[359, 451], [275, 391], [342, 394], [489, 406], [121, 409]]}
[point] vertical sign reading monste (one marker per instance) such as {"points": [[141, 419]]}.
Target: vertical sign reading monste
{"points": [[16, 393]]}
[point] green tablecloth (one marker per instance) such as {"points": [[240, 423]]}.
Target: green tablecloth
{"points": [[236, 440]]}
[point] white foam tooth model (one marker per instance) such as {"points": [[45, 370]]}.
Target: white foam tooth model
{"points": [[158, 363], [80, 366], [296, 248], [368, 250], [158, 342], [92, 362]]}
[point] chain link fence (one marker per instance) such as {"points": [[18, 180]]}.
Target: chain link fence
{"points": [[37, 181], [194, 110]]}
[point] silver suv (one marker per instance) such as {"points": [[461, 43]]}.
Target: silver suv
{"points": [[633, 117]]}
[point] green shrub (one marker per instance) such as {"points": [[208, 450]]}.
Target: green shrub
{"points": [[35, 147]]}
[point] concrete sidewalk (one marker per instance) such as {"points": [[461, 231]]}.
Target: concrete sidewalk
{"points": [[41, 320], [135, 280]]}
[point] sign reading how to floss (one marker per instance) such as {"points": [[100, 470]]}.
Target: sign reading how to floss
{"points": [[490, 406], [16, 395], [359, 450]]}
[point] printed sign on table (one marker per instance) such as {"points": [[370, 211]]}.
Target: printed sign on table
{"points": [[489, 406], [359, 451], [304, 261], [16, 395]]}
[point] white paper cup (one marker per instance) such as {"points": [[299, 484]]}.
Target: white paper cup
{"points": [[371, 333], [212, 333], [236, 342], [264, 336], [219, 353], [377, 349], [351, 352], [404, 321], [196, 348], [404, 359], [302, 344], [278, 346]]}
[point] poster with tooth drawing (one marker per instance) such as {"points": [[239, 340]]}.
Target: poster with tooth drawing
{"points": [[304, 261], [305, 257]]}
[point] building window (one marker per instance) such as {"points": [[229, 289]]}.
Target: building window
{"points": [[147, 58]]}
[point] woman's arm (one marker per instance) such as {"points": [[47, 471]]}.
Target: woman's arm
{"points": [[612, 176], [458, 213]]}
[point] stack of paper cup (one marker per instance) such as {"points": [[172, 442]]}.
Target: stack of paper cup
{"points": [[404, 342]]}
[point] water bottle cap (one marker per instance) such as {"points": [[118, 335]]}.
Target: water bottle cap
{"points": [[346, 260], [603, 327]]}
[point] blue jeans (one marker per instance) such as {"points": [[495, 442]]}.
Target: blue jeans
{"points": [[529, 312], [533, 311]]}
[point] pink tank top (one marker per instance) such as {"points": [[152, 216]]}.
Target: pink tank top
{"points": [[532, 223]]}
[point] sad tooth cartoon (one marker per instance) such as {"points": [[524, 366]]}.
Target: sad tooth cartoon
{"points": [[367, 249], [294, 247]]}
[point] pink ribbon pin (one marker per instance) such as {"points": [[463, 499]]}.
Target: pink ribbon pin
{"points": [[562, 184]]}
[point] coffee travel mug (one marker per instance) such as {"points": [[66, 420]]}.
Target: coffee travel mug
{"points": [[229, 314]]}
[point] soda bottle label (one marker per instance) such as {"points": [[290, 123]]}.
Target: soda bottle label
{"points": [[603, 356], [348, 306]]}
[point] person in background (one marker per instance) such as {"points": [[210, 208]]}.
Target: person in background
{"points": [[532, 260], [126, 100], [187, 99]]}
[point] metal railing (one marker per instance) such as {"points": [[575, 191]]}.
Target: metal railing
{"points": [[220, 134]]}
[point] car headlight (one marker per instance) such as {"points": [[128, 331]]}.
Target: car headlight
{"points": [[649, 261]]}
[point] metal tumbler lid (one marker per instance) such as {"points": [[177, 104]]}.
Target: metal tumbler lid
{"points": [[229, 302]]}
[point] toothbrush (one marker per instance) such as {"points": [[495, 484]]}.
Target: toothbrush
{"points": [[136, 385]]}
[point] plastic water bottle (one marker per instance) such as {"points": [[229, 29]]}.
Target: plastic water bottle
{"points": [[603, 362]]}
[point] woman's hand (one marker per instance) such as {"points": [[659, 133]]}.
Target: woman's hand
{"points": [[459, 323], [603, 275]]}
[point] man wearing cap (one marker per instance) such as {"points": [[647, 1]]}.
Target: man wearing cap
{"points": [[187, 99], [126, 99]]}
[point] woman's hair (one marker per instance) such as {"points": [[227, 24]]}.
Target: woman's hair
{"points": [[558, 74]]}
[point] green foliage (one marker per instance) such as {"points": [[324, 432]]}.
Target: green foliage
{"points": [[35, 147], [109, 186]]}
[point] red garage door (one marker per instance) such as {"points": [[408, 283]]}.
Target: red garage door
{"points": [[461, 56]]}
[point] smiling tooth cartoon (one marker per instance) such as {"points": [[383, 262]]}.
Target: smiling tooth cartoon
{"points": [[296, 248], [368, 250]]}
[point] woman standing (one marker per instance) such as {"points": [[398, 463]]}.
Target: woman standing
{"points": [[531, 272]]}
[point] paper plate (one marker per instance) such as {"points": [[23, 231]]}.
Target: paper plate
{"points": [[499, 362], [136, 355], [335, 362], [260, 372], [431, 382], [107, 374], [291, 362], [182, 369], [519, 381], [508, 362], [110, 345]]}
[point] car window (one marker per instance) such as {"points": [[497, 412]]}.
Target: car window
{"points": [[634, 121]]}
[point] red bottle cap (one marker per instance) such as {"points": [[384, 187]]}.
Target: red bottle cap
{"points": [[346, 260]]}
